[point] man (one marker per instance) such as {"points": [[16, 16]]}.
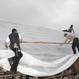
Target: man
{"points": [[15, 39], [70, 38], [70, 29]]}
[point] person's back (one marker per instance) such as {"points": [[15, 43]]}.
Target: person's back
{"points": [[14, 38]]}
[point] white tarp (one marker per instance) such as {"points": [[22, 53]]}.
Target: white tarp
{"points": [[35, 67], [38, 59]]}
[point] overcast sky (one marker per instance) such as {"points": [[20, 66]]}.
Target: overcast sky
{"points": [[54, 14]]}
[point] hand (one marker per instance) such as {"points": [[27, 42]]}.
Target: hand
{"points": [[6, 46], [67, 43], [61, 44]]}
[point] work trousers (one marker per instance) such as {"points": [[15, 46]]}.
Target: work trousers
{"points": [[75, 44], [15, 59]]}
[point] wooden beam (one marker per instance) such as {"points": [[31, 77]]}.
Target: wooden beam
{"points": [[42, 42], [10, 75]]}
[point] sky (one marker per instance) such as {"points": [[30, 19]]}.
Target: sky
{"points": [[53, 14]]}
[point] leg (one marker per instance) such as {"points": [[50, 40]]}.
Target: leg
{"points": [[78, 46], [75, 44], [11, 59], [73, 48], [15, 64], [16, 61], [64, 30], [19, 55]]}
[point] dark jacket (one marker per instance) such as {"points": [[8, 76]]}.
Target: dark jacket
{"points": [[14, 38]]}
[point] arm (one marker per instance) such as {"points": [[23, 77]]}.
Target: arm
{"points": [[63, 43], [6, 44], [20, 38], [69, 41]]}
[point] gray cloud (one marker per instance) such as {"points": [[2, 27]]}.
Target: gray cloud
{"points": [[54, 14]]}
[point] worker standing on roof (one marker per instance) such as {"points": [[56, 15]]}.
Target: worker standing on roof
{"points": [[75, 42], [15, 39]]}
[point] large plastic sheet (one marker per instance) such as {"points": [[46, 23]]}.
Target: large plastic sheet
{"points": [[36, 67], [38, 59]]}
